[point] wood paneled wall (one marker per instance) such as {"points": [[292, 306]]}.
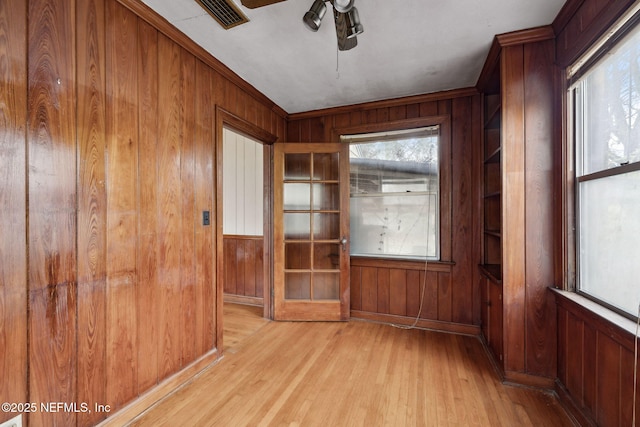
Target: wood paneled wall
{"points": [[581, 22], [595, 366], [595, 358], [244, 266], [107, 160], [453, 290]]}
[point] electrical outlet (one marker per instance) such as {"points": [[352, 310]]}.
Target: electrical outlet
{"points": [[13, 422]]}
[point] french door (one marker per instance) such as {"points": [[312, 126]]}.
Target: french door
{"points": [[311, 231]]}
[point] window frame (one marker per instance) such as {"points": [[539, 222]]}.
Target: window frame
{"points": [[574, 172], [445, 208], [394, 137]]}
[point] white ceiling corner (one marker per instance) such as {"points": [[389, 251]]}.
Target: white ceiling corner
{"points": [[408, 47]]}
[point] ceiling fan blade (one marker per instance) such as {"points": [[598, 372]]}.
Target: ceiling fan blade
{"points": [[253, 4], [344, 43]]}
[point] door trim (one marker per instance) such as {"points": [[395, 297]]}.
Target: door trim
{"points": [[299, 310], [229, 120]]}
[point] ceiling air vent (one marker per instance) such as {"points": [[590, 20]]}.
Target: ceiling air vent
{"points": [[225, 12]]}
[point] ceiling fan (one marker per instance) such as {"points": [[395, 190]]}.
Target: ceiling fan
{"points": [[345, 16]]}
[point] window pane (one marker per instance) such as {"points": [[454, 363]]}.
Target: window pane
{"points": [[611, 105], [395, 195], [609, 229], [297, 226], [297, 256], [297, 167], [326, 197], [325, 166], [326, 286], [297, 197], [326, 256], [297, 286], [394, 225]]}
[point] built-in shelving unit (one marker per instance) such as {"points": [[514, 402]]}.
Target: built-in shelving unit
{"points": [[492, 186], [517, 264], [491, 265]]}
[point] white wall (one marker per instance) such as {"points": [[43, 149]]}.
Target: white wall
{"points": [[243, 194]]}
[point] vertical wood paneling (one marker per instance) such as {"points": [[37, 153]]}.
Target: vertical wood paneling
{"points": [[204, 187], [445, 297], [244, 268], [243, 186], [259, 268], [147, 296], [187, 212], [383, 290], [462, 214], [414, 293], [51, 136], [398, 292], [608, 389], [170, 198], [430, 287], [111, 190], [230, 265], [122, 219], [369, 288], [540, 306], [355, 288], [589, 353], [52, 351], [587, 22], [13, 228], [229, 182], [241, 257], [92, 207], [574, 377], [595, 365], [513, 191]]}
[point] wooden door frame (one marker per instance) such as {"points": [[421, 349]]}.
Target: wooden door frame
{"points": [[226, 119], [301, 310]]}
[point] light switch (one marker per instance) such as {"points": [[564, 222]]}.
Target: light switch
{"points": [[206, 218]]}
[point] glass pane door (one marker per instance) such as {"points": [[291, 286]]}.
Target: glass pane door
{"points": [[311, 226], [312, 238]]}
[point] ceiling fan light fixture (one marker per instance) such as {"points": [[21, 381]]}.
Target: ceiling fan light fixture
{"points": [[313, 17], [343, 6], [354, 27]]}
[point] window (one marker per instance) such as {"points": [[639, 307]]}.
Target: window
{"points": [[605, 101], [395, 193]]}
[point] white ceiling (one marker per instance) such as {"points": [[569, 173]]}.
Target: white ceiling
{"points": [[408, 47]]}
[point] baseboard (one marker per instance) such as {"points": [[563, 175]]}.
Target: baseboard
{"points": [[517, 378], [436, 325], [572, 408], [241, 299], [159, 392], [535, 381]]}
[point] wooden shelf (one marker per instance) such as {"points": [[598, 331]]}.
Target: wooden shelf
{"points": [[494, 157], [494, 233], [493, 107], [492, 272], [493, 194]]}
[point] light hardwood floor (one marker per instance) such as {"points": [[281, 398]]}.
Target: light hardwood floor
{"points": [[240, 322], [352, 374]]}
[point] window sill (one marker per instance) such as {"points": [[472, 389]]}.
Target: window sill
{"points": [[598, 310], [440, 266]]}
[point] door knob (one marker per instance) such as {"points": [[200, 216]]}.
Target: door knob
{"points": [[343, 242]]}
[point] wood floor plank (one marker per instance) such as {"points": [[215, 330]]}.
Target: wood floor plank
{"points": [[354, 374]]}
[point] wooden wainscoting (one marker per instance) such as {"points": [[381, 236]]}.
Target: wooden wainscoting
{"points": [[595, 365], [244, 269], [390, 290]]}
